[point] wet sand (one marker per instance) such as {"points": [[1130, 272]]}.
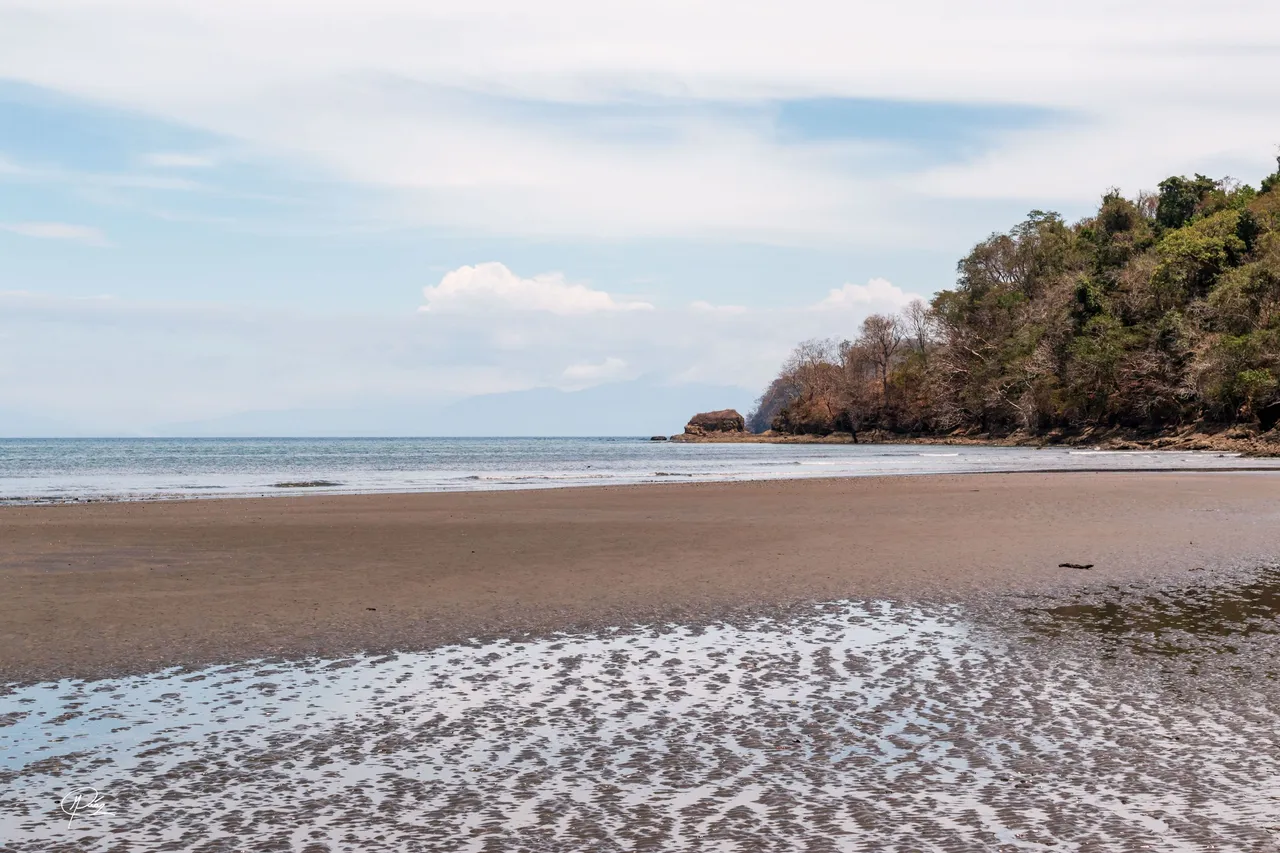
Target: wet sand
{"points": [[100, 589], [1120, 718]]}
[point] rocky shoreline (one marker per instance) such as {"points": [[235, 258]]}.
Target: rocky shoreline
{"points": [[1247, 441]]}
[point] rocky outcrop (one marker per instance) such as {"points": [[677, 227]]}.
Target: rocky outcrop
{"points": [[718, 422]]}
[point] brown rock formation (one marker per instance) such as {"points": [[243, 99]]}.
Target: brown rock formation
{"points": [[722, 421]]}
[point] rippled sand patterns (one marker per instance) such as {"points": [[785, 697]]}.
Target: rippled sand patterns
{"points": [[855, 726]]}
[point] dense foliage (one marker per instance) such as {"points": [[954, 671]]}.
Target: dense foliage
{"points": [[1155, 312]]}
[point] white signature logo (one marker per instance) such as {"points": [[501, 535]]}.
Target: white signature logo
{"points": [[83, 802]]}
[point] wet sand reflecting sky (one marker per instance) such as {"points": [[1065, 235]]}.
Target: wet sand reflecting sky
{"points": [[1103, 721]]}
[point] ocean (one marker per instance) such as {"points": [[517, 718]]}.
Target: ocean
{"points": [[69, 470]]}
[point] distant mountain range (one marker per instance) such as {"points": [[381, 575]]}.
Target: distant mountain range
{"points": [[622, 408], [15, 424]]}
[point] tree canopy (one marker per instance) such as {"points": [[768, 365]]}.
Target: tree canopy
{"points": [[1152, 313]]}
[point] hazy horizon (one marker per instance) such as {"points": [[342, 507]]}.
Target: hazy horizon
{"points": [[621, 409]]}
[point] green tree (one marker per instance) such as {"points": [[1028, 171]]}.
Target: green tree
{"points": [[1272, 181], [1180, 197], [1192, 258]]}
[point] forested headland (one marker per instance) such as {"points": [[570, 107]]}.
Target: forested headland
{"points": [[1156, 315]]}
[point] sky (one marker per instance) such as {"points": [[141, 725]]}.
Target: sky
{"points": [[213, 208]]}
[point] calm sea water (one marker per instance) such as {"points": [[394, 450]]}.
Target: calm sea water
{"points": [[38, 470]]}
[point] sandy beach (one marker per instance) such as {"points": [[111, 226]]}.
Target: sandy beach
{"points": [[651, 667], [115, 588]]}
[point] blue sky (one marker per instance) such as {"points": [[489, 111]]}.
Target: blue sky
{"points": [[208, 208]]}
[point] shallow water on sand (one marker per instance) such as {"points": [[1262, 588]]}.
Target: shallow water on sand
{"points": [[1025, 724]]}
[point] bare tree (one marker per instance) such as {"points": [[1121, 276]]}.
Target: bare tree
{"points": [[812, 354], [920, 325], [859, 395], [813, 371], [882, 337], [1147, 202]]}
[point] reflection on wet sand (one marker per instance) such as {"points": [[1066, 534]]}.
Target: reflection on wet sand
{"points": [[853, 726], [1175, 621]]}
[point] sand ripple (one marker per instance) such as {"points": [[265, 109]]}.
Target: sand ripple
{"points": [[855, 726]]}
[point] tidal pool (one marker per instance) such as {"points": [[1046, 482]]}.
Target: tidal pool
{"points": [[1030, 724]]}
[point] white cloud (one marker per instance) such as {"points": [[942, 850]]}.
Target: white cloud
{"points": [[491, 286], [878, 294], [476, 115], [94, 181], [592, 373], [58, 231], [178, 160], [703, 307]]}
